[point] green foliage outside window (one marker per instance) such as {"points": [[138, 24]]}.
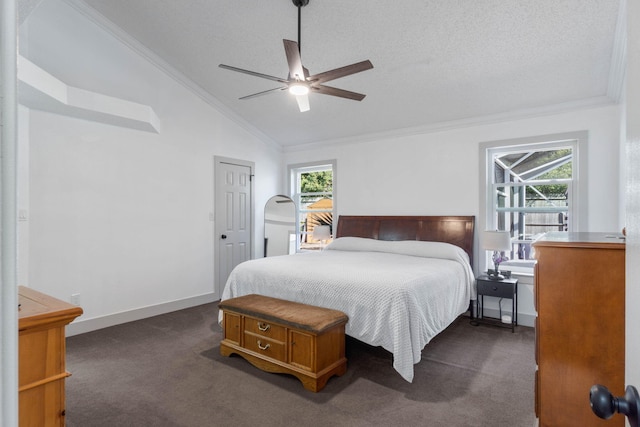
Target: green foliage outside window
{"points": [[564, 171], [316, 182]]}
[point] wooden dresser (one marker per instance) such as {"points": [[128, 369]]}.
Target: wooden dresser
{"points": [[286, 337], [41, 321], [579, 294]]}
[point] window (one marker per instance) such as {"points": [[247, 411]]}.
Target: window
{"points": [[313, 191], [532, 186]]}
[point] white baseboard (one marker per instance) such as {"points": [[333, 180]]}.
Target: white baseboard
{"points": [[82, 326]]}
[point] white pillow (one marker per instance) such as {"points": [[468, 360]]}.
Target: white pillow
{"points": [[402, 247]]}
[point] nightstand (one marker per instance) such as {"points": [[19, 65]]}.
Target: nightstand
{"points": [[505, 288]]}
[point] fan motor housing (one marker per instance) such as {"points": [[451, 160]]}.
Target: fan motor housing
{"points": [[300, 3]]}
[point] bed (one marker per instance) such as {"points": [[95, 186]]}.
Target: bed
{"points": [[400, 279]]}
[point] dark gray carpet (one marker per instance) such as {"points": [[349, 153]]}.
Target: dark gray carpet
{"points": [[167, 371]]}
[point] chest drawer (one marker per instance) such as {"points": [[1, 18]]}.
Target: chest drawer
{"points": [[264, 328], [265, 346], [495, 288]]}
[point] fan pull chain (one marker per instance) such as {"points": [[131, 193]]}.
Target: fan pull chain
{"points": [[299, 20]]}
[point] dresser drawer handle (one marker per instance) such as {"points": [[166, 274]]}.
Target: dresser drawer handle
{"points": [[495, 288], [261, 347], [264, 327]]}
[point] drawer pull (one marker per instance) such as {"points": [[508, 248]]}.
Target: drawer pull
{"points": [[264, 327], [495, 288], [265, 347]]}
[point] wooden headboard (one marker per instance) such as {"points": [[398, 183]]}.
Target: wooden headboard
{"points": [[457, 230]]}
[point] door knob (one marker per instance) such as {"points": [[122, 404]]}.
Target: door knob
{"points": [[604, 404], [224, 236]]}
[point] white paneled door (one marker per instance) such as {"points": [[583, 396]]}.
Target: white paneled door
{"points": [[232, 217]]}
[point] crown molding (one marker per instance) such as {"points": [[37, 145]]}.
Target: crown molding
{"points": [[126, 39]]}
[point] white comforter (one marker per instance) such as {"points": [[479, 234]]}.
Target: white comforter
{"points": [[398, 295]]}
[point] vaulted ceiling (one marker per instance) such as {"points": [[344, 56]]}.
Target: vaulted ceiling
{"points": [[437, 63]]}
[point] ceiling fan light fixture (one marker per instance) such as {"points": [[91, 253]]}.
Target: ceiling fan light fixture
{"points": [[299, 81], [298, 89]]}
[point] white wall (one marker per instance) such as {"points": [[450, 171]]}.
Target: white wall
{"points": [[23, 195], [121, 216], [437, 173]]}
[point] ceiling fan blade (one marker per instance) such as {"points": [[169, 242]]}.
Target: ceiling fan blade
{"points": [[265, 92], [303, 103], [341, 72], [253, 73], [294, 60], [328, 90]]}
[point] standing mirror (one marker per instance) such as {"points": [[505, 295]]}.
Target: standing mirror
{"points": [[279, 226]]}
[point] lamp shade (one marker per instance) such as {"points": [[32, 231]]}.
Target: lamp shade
{"points": [[321, 232], [497, 241]]}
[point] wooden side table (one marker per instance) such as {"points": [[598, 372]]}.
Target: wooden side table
{"points": [[504, 288], [41, 323]]}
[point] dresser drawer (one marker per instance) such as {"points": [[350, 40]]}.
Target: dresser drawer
{"points": [[266, 329], [265, 346], [536, 287], [495, 288]]}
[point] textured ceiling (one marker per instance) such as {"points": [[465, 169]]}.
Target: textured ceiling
{"points": [[436, 62]]}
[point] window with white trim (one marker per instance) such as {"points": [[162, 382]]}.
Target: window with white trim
{"points": [[533, 186], [313, 192]]}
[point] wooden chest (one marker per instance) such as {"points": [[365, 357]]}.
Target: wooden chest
{"points": [[286, 337]]}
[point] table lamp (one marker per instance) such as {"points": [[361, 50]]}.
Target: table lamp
{"points": [[497, 241], [321, 233]]}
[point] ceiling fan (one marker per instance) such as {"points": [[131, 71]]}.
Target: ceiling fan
{"points": [[299, 82]]}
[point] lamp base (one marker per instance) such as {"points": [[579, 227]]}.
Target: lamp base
{"points": [[495, 274]]}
